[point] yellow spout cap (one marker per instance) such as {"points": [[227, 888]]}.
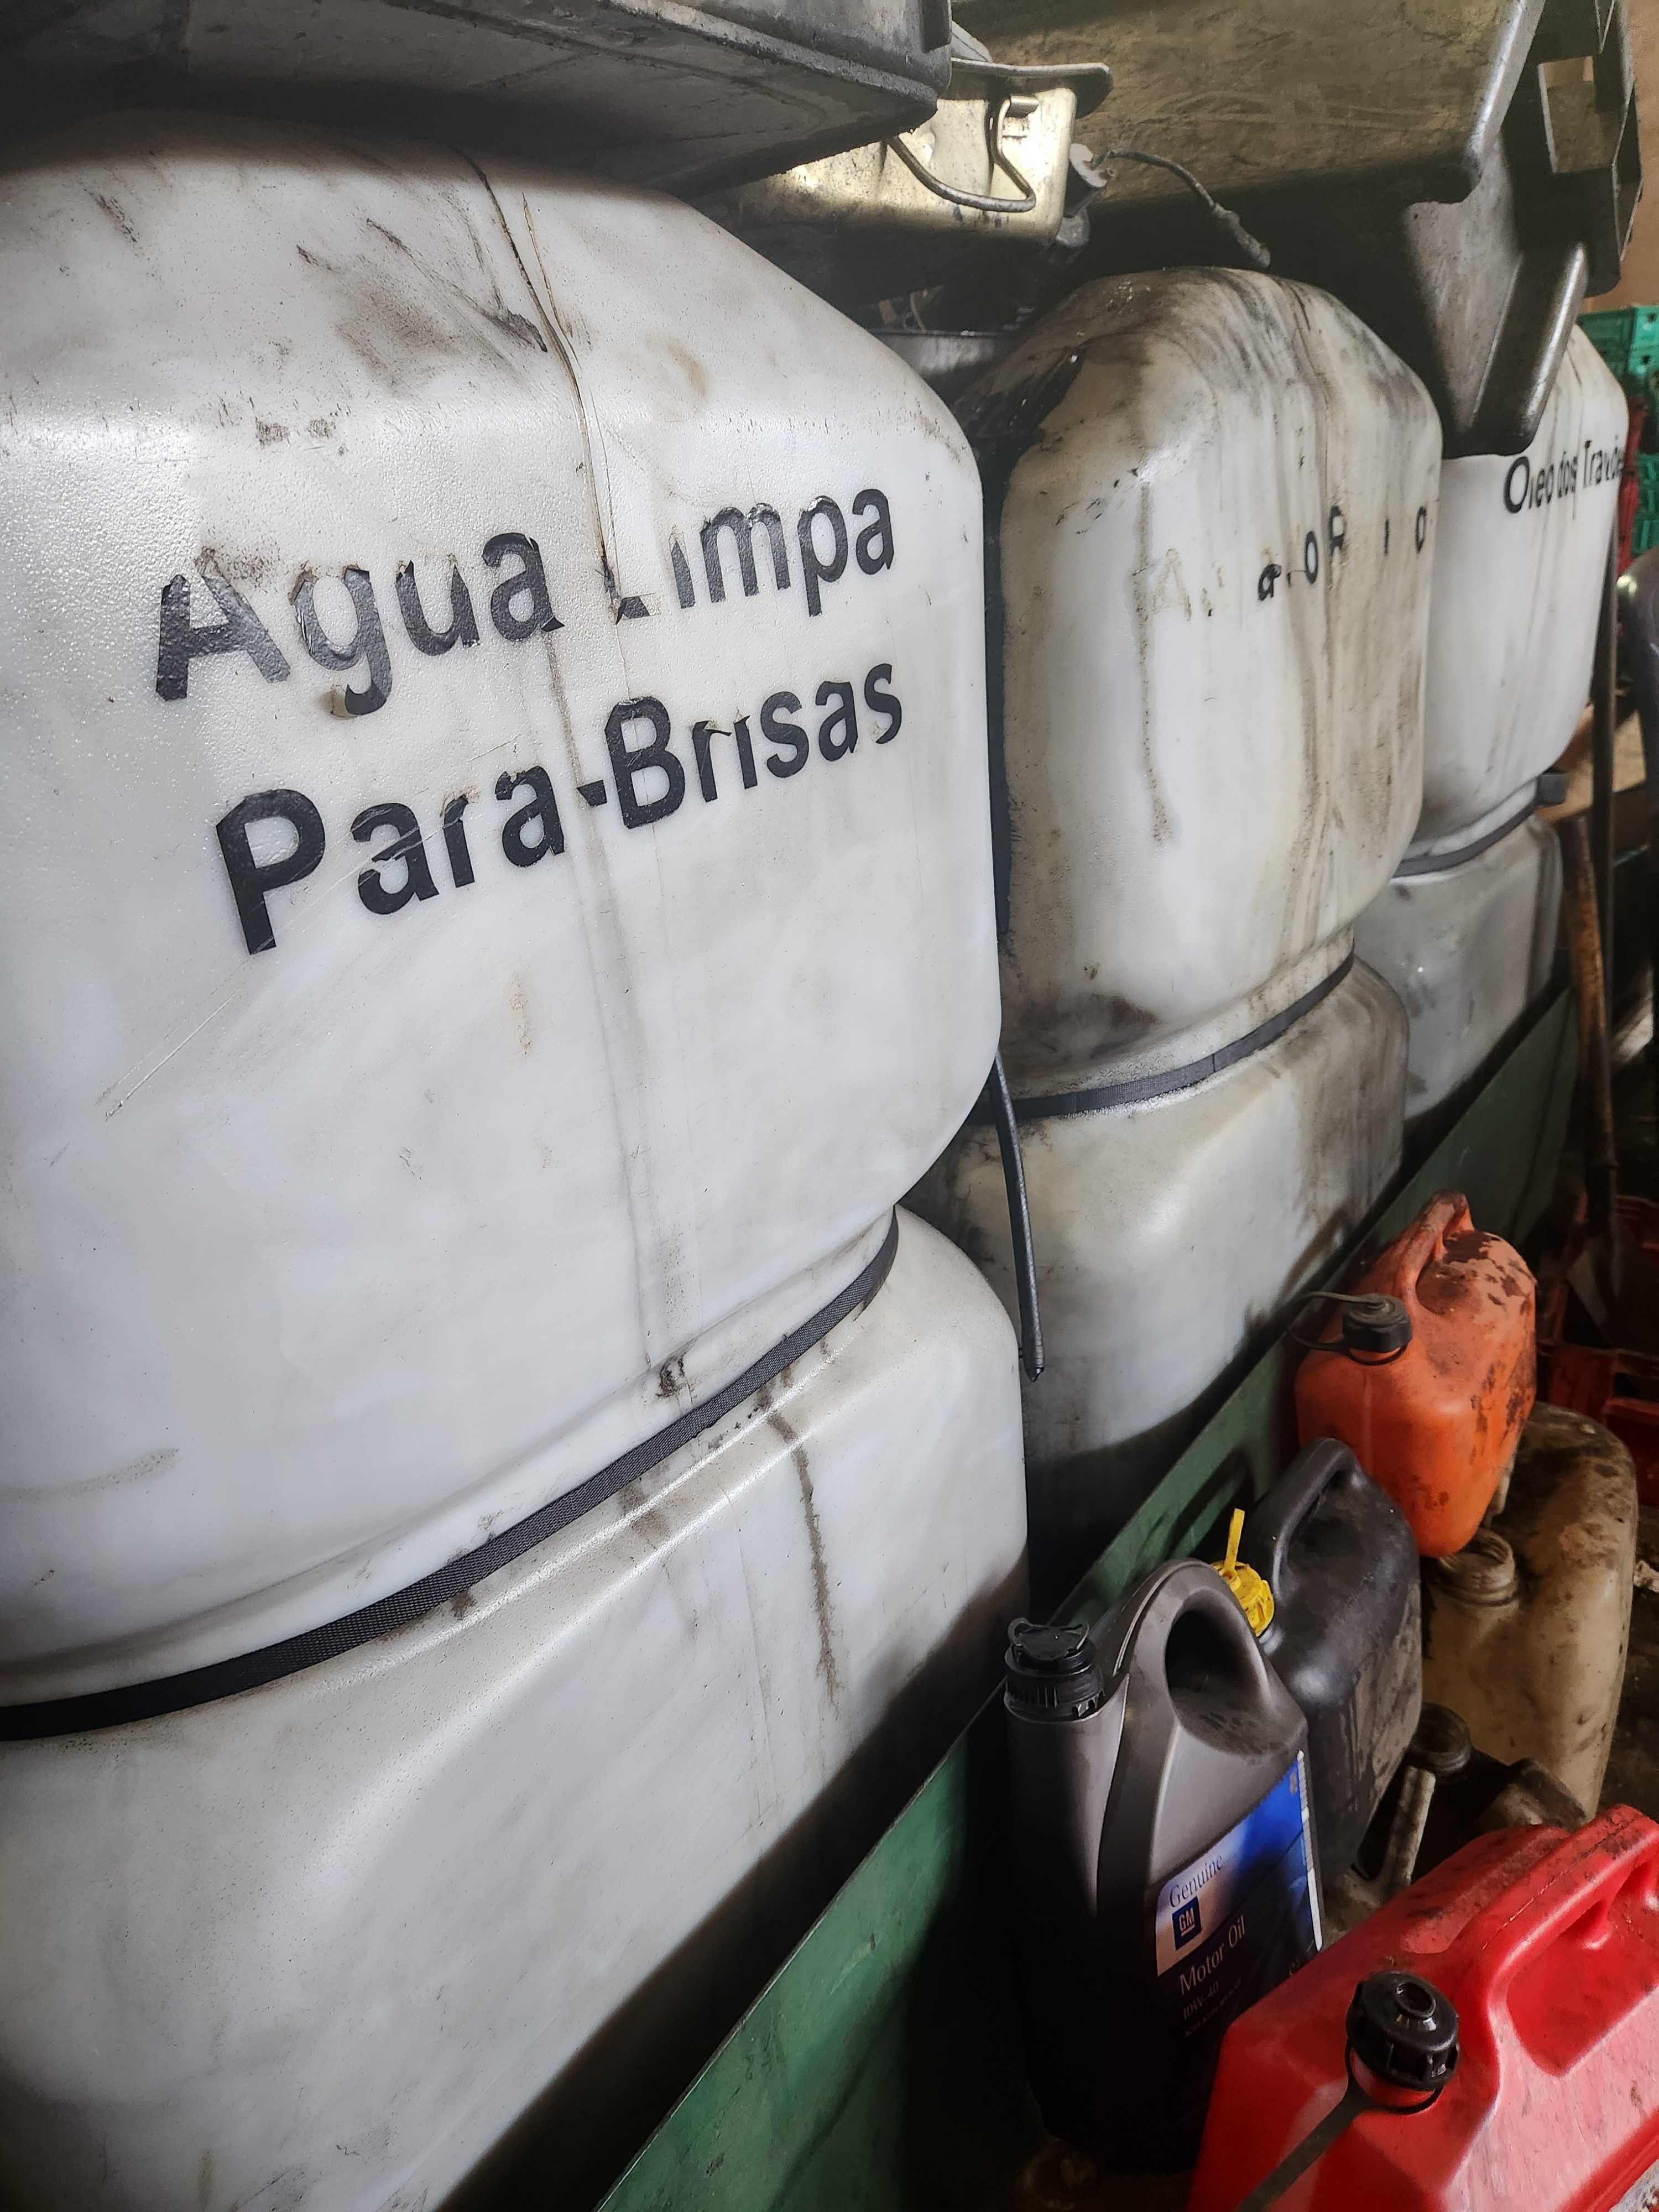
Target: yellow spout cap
{"points": [[1255, 1599]]}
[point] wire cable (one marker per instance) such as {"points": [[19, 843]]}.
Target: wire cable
{"points": [[1245, 241]]}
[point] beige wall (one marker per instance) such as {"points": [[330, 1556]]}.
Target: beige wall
{"points": [[1640, 282]]}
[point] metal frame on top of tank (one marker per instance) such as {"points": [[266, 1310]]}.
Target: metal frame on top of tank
{"points": [[881, 2065]]}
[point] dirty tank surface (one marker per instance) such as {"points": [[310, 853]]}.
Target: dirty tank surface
{"points": [[413, 1202], [1211, 522], [447, 525]]}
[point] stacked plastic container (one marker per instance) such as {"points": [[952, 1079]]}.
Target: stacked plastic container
{"points": [[498, 1508], [1466, 930], [1211, 509]]}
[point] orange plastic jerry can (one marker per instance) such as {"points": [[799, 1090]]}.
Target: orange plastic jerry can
{"points": [[1433, 1416]]}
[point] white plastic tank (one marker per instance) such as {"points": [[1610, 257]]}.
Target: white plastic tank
{"points": [[498, 1508], [320, 1946], [1169, 1231], [1519, 573], [1214, 515], [1211, 510], [498, 911], [1466, 931], [1468, 947]]}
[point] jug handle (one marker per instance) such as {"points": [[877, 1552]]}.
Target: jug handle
{"points": [[1293, 1499], [1201, 1590], [1423, 1243], [1504, 1937]]}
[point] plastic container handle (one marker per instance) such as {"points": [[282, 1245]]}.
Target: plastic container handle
{"points": [[1446, 1214], [1293, 1497], [1504, 1938], [1182, 1588]]}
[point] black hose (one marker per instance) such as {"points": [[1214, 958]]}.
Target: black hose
{"points": [[1244, 241], [1019, 1219]]}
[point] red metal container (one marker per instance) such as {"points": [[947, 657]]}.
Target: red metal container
{"points": [[1548, 1945]]}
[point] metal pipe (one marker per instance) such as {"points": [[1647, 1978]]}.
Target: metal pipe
{"points": [[1638, 621], [1578, 909], [1604, 722]]}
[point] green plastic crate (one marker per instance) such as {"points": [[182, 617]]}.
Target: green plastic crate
{"points": [[1627, 339]]}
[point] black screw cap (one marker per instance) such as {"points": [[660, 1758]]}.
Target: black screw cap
{"points": [[1404, 2030], [1052, 1670], [1374, 1323]]}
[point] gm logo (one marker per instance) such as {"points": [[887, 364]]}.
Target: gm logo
{"points": [[1185, 1924]]}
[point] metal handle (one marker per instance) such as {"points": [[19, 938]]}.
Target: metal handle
{"points": [[987, 203]]}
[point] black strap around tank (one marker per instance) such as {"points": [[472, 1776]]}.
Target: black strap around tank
{"points": [[251, 1671], [1140, 1087], [1431, 864]]}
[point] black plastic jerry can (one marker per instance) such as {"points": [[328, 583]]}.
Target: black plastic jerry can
{"points": [[1346, 1635], [1165, 1866]]}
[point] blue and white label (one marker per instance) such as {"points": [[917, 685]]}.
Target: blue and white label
{"points": [[1240, 1918]]}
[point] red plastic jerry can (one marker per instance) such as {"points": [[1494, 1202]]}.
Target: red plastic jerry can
{"points": [[1547, 1944]]}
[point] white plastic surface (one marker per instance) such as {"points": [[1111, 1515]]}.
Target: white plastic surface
{"points": [[1467, 949], [1215, 551], [326, 1260], [1168, 1234], [317, 1947], [1518, 577]]}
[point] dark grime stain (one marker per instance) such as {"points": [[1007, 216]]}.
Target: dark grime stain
{"points": [[671, 1377], [118, 215], [827, 1665], [517, 326]]}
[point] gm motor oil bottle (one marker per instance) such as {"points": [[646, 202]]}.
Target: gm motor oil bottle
{"points": [[1164, 1854]]}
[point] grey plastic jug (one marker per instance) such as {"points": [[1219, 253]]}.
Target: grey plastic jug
{"points": [[1165, 1865]]}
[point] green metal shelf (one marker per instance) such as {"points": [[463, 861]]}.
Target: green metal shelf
{"points": [[881, 2067]]}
